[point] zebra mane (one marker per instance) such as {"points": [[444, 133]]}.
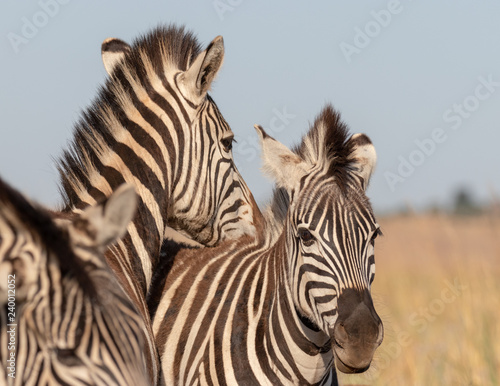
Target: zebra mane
{"points": [[39, 221], [275, 212], [163, 47], [327, 143]]}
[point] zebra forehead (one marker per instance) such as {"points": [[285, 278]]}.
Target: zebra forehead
{"points": [[318, 184], [220, 124], [326, 201]]}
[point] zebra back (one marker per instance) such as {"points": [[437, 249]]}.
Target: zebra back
{"points": [[69, 322], [281, 309]]}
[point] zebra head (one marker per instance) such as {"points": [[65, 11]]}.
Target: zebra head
{"points": [[208, 199], [73, 322], [330, 231]]}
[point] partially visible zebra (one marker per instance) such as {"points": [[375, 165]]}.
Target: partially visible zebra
{"points": [[154, 126], [70, 323], [282, 312]]}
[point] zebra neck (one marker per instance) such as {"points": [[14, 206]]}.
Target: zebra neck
{"points": [[302, 352], [136, 133], [137, 253]]}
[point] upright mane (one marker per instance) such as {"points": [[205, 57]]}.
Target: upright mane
{"points": [[165, 47], [327, 143]]}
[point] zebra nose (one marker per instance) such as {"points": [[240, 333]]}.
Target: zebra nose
{"points": [[356, 336], [361, 324], [357, 320]]}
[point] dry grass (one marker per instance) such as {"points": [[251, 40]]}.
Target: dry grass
{"points": [[437, 290]]}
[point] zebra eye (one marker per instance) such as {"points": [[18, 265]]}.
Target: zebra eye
{"points": [[377, 233], [68, 357], [306, 237], [227, 143]]}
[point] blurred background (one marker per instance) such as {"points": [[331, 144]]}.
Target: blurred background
{"points": [[422, 79]]}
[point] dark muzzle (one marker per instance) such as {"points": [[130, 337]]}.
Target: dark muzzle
{"points": [[357, 333]]}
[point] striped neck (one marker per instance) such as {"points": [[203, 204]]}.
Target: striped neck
{"points": [[296, 350]]}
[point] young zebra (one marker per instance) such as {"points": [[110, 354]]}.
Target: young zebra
{"points": [[70, 322], [252, 313], [154, 126]]}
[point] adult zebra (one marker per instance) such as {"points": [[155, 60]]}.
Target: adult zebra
{"points": [[154, 126], [64, 317], [252, 313]]}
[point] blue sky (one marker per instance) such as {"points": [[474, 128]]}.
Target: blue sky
{"points": [[421, 78]]}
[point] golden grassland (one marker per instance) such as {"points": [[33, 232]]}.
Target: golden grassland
{"points": [[437, 290]]}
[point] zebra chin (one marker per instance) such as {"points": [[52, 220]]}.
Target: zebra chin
{"points": [[357, 333], [352, 368]]}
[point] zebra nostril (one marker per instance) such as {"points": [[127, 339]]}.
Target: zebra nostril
{"points": [[340, 335], [380, 337]]}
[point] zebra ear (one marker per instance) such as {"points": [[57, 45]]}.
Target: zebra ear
{"points": [[113, 51], [108, 221], [280, 163], [365, 158], [198, 78]]}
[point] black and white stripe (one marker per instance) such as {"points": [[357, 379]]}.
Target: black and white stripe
{"points": [[73, 324], [283, 310], [154, 126]]}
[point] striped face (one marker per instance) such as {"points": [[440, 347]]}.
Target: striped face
{"points": [[330, 233], [212, 201], [71, 322], [168, 77], [331, 239]]}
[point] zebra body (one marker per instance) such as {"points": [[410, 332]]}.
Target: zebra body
{"points": [[282, 310], [155, 127], [73, 325]]}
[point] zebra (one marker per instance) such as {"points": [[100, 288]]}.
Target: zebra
{"points": [[64, 317], [282, 310], [155, 126]]}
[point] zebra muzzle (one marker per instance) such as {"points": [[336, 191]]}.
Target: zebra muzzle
{"points": [[357, 333]]}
